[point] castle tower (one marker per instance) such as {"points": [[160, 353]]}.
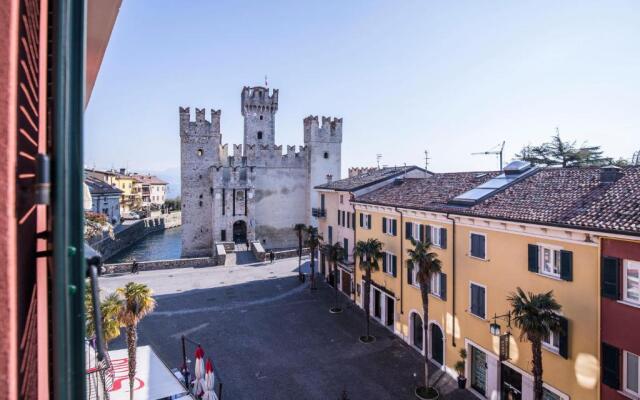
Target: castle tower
{"points": [[324, 154], [259, 108], [199, 144]]}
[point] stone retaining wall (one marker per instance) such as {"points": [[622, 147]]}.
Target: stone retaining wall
{"points": [[160, 264], [135, 232]]}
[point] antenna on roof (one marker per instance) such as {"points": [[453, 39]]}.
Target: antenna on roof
{"points": [[265, 81], [426, 160], [495, 151], [378, 158]]}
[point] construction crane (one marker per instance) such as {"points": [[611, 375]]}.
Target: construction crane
{"points": [[493, 151]]}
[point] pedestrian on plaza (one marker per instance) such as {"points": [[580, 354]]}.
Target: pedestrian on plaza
{"points": [[134, 267], [271, 256], [248, 248]]}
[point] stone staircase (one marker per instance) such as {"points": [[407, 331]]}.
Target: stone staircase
{"points": [[240, 255]]}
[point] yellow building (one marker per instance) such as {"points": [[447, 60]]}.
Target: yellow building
{"points": [[131, 197], [527, 229]]}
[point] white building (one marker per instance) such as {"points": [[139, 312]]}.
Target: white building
{"points": [[105, 199]]}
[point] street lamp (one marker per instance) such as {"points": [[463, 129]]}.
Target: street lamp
{"points": [[494, 327]]}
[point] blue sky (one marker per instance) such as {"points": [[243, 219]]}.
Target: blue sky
{"points": [[451, 77]]}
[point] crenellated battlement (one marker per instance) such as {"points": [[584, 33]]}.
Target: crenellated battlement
{"points": [[264, 155], [258, 99], [330, 130], [200, 126]]}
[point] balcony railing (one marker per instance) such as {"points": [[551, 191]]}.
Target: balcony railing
{"points": [[319, 212]]}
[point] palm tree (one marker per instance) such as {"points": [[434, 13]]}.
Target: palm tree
{"points": [[428, 264], [110, 308], [335, 252], [536, 317], [313, 241], [300, 230], [138, 302], [369, 253]]}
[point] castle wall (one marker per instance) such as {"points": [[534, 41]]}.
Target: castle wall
{"points": [[280, 203]]}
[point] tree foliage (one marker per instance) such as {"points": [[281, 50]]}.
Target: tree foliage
{"points": [[558, 152]]}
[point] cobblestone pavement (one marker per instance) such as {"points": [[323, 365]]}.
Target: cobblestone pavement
{"points": [[272, 338]]}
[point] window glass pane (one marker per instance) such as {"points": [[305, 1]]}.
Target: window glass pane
{"points": [[632, 372], [548, 395], [632, 281]]}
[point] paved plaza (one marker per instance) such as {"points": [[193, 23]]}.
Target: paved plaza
{"points": [[272, 338]]}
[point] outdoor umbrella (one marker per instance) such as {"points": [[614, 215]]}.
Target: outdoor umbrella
{"points": [[209, 393], [198, 382]]}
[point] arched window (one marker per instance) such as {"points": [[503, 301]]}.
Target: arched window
{"points": [[326, 154], [200, 152], [418, 330], [261, 118], [259, 135]]}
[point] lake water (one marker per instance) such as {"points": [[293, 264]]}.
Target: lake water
{"points": [[163, 245]]}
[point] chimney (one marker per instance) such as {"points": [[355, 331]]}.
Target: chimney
{"points": [[329, 178], [610, 174], [122, 171]]}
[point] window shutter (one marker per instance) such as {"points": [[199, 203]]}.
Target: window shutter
{"points": [[533, 258], [481, 305], [610, 280], [384, 262], [369, 221], [566, 265], [443, 238], [564, 337], [384, 225], [408, 230], [427, 233], [611, 366], [394, 265], [338, 217], [361, 220], [443, 286], [421, 233], [353, 221], [394, 227], [409, 272]]}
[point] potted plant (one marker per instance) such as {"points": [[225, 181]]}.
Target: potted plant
{"points": [[459, 366]]}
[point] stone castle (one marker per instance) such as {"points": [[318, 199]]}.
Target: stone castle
{"points": [[258, 192]]}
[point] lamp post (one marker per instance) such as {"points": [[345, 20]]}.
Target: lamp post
{"points": [[494, 329]]}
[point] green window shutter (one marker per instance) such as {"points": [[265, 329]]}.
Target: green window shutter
{"points": [[611, 366], [566, 265], [610, 278], [384, 225], [394, 265], [394, 227], [443, 286], [384, 262], [369, 220], [361, 220], [408, 230], [421, 233], [443, 238], [353, 221], [427, 233], [338, 217], [564, 337], [533, 258], [409, 272]]}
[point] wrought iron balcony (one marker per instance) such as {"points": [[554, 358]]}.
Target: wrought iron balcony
{"points": [[319, 212]]}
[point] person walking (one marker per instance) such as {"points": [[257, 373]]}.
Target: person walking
{"points": [[271, 256], [134, 267]]}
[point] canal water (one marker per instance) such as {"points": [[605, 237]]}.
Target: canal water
{"points": [[163, 245]]}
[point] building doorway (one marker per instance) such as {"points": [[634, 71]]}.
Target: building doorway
{"points": [[437, 345], [511, 387], [417, 331], [345, 282], [478, 370], [240, 232]]}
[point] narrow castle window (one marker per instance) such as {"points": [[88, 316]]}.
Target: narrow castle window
{"points": [[326, 154], [261, 118], [259, 134], [200, 152]]}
